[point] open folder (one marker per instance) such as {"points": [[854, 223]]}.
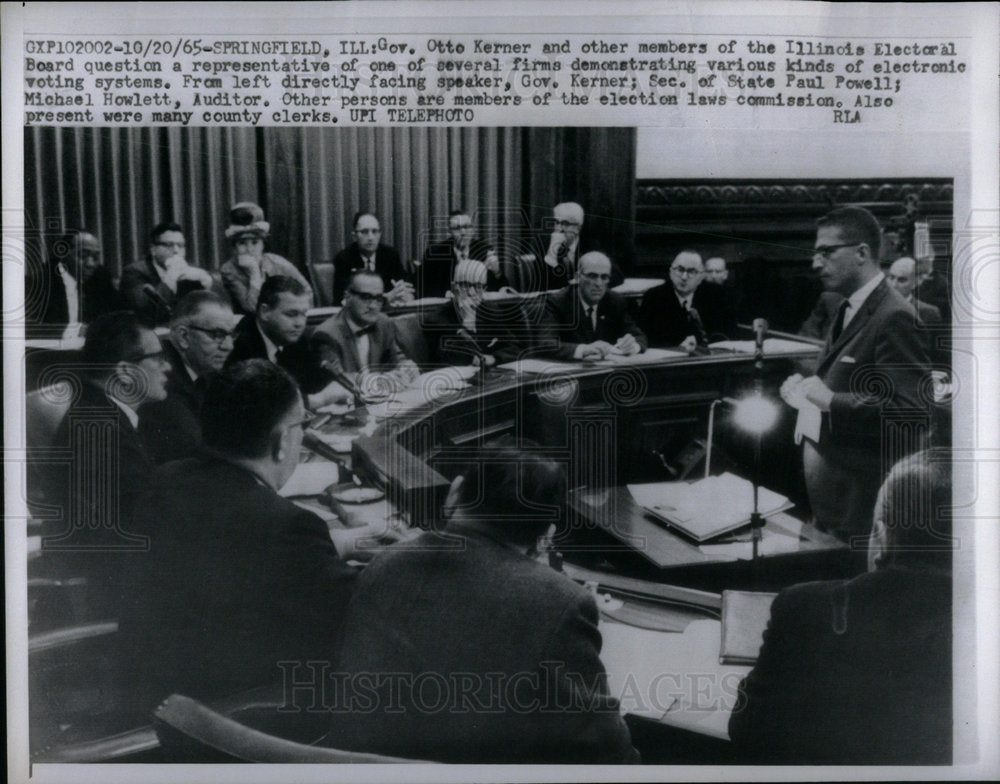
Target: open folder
{"points": [[708, 507]]}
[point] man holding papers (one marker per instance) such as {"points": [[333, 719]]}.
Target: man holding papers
{"points": [[866, 383], [588, 321]]}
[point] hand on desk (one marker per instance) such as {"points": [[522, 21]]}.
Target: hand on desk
{"points": [[400, 293], [592, 351], [689, 344], [332, 394], [627, 345]]}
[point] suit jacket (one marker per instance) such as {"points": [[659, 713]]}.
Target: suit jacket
{"points": [[566, 325], [852, 672], [46, 303], [387, 264], [433, 278], [482, 621], [299, 359], [236, 580], [94, 490], [668, 324], [333, 343], [237, 280], [154, 309], [171, 428], [500, 331], [876, 369], [936, 292]]}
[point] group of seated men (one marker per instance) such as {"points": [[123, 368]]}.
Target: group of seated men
{"points": [[221, 585]]}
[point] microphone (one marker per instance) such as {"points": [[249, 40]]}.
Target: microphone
{"points": [[338, 375], [464, 333], [759, 334], [695, 317]]}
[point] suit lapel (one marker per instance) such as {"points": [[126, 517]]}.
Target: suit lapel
{"points": [[349, 344], [859, 320]]}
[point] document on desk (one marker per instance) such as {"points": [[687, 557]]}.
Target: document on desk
{"points": [[424, 389], [649, 356], [708, 507], [309, 479], [771, 346], [637, 285], [532, 365]]}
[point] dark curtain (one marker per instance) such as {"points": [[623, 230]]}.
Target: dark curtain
{"points": [[120, 182]]}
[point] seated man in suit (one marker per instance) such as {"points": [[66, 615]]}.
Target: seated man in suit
{"points": [[152, 286], [367, 252], [556, 265], [588, 321], [493, 628], [684, 313], [201, 337], [933, 288], [107, 466], [902, 276], [237, 579], [276, 332], [358, 346], [74, 287], [858, 672], [434, 276], [470, 330]]}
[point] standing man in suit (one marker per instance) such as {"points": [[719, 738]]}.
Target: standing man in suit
{"points": [[470, 330], [359, 345], [152, 286], [107, 466], [434, 276], [866, 383], [201, 337], [74, 287], [684, 313], [367, 252], [237, 579], [276, 332], [588, 321], [467, 612], [859, 672]]}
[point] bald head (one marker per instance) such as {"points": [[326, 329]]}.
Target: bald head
{"points": [[902, 276]]}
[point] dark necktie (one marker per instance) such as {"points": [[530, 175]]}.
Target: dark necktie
{"points": [[590, 319], [561, 253], [838, 323]]}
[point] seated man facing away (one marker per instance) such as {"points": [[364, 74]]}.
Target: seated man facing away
{"points": [[588, 321], [277, 332], [201, 337], [508, 646], [469, 330], [859, 671], [96, 486], [358, 346], [684, 313], [236, 579]]}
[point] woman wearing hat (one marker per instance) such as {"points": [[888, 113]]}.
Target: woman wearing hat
{"points": [[250, 266]]}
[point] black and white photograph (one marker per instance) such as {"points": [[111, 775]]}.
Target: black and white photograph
{"points": [[567, 394]]}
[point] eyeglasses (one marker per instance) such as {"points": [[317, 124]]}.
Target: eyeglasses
{"points": [[826, 251], [685, 271], [466, 286], [596, 276], [370, 299], [459, 226], [565, 223], [218, 335]]}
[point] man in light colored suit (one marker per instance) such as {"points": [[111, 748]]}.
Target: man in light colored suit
{"points": [[862, 410], [359, 344]]}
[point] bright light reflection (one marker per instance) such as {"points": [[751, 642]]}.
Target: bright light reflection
{"points": [[755, 414]]}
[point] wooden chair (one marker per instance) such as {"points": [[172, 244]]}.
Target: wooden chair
{"points": [[411, 338], [321, 277], [190, 731]]}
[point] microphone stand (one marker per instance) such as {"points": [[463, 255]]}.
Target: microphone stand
{"points": [[756, 520]]}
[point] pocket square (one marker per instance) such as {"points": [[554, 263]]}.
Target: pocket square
{"points": [[849, 360]]}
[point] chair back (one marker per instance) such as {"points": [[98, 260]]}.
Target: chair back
{"points": [[321, 277], [411, 338], [44, 411]]}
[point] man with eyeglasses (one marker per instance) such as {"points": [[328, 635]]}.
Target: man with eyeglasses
{"points": [[100, 463], [152, 286], [684, 313], [557, 266], [470, 330], [868, 379], [359, 344], [237, 581], [277, 332], [367, 252], [589, 321], [201, 337], [435, 272]]}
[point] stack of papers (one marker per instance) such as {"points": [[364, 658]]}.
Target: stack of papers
{"points": [[771, 346], [708, 507]]}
